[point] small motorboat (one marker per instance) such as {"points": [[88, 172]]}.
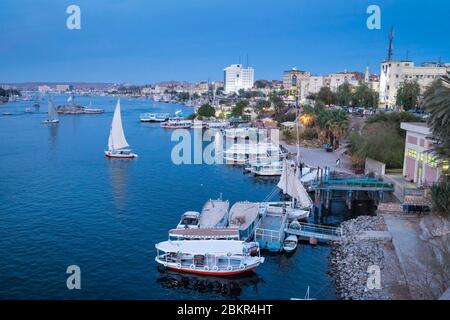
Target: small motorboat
{"points": [[189, 219], [290, 243], [28, 110]]}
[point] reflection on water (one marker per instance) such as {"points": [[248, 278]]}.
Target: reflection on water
{"points": [[227, 287], [119, 170], [53, 133]]}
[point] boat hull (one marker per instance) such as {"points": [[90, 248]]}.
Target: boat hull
{"points": [[176, 127], [211, 272], [289, 249], [110, 154], [266, 174], [50, 121]]}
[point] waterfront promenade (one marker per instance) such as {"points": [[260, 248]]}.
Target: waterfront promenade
{"points": [[318, 157]]}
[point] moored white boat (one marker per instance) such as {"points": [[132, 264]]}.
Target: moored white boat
{"points": [[266, 168], [246, 152], [198, 124], [290, 243], [244, 215], [154, 117], [218, 124], [189, 219], [214, 214], [117, 143], [177, 123], [204, 234], [209, 257]]}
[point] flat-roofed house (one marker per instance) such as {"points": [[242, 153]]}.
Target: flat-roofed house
{"points": [[420, 164]]}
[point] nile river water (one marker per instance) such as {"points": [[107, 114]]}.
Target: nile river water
{"points": [[63, 203]]}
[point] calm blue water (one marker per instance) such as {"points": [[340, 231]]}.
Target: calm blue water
{"points": [[63, 203]]}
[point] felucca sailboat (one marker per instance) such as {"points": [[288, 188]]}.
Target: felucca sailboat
{"points": [[52, 114], [117, 143]]}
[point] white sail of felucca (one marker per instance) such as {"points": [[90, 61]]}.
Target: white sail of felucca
{"points": [[117, 138], [291, 185], [52, 114]]}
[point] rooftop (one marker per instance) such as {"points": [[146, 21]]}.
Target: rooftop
{"points": [[418, 127]]}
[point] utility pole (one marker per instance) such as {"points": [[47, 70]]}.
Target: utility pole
{"points": [[391, 46]]}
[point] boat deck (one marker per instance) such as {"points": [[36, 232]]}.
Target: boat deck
{"points": [[243, 214], [214, 214], [206, 233], [269, 233]]}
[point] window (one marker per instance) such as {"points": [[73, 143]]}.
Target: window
{"points": [[421, 156], [445, 166], [411, 153], [431, 161]]}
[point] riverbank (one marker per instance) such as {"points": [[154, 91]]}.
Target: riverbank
{"points": [[412, 252], [366, 244]]}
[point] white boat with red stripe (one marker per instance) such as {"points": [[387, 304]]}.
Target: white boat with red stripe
{"points": [[209, 257]]}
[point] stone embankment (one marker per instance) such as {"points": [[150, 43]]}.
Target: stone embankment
{"points": [[360, 248]]}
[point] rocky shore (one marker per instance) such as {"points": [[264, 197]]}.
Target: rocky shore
{"points": [[351, 257]]}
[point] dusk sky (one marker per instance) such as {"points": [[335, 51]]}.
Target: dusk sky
{"points": [[142, 42]]}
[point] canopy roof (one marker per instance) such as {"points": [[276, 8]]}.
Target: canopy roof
{"points": [[202, 246]]}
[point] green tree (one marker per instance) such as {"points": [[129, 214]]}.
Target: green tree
{"points": [[344, 94], [332, 125], [183, 96], [408, 95], [238, 110], [326, 96], [364, 97], [261, 106], [437, 103], [277, 102], [206, 111], [260, 84]]}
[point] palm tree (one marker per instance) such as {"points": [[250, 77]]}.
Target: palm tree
{"points": [[437, 103]]}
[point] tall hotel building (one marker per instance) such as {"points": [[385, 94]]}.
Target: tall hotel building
{"points": [[237, 77]]}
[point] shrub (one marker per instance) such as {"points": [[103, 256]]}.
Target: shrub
{"points": [[309, 134], [440, 195]]}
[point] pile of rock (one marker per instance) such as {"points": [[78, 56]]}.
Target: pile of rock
{"points": [[351, 257]]}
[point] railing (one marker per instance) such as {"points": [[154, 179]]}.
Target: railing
{"points": [[317, 231], [265, 234]]}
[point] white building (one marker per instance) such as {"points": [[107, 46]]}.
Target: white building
{"points": [[63, 87], [393, 73], [237, 77], [334, 80], [44, 88]]}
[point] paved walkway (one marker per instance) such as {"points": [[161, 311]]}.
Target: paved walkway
{"points": [[318, 157]]}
